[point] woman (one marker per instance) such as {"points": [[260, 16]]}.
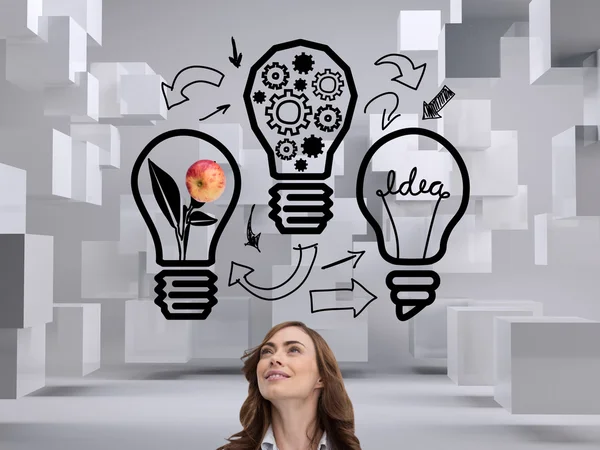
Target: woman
{"points": [[296, 395]]}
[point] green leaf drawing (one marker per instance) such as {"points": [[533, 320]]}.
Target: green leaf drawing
{"points": [[198, 219], [166, 194]]}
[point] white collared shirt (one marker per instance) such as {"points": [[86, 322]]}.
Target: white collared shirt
{"points": [[268, 442]]}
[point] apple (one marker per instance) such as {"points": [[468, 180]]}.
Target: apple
{"points": [[205, 180]]}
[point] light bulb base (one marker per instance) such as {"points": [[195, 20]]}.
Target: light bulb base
{"points": [[186, 294], [411, 281], [301, 208]]}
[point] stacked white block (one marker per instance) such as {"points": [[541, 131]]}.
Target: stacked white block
{"points": [[229, 134], [87, 13], [19, 19], [256, 180], [537, 307], [26, 268], [376, 130], [46, 155], [506, 213], [419, 30], [225, 334], [106, 137], [38, 64], [547, 365], [591, 90], [545, 17], [107, 273], [575, 165], [13, 199], [151, 338], [130, 93], [467, 124], [79, 101], [427, 331], [471, 341], [73, 340]]}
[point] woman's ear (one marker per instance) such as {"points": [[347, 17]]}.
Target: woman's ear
{"points": [[320, 383]]}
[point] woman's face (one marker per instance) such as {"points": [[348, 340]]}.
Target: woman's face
{"points": [[287, 368]]}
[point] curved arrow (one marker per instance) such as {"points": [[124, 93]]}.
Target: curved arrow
{"points": [[399, 61], [385, 121], [277, 292], [187, 76]]}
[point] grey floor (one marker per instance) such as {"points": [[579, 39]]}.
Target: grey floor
{"points": [[185, 408]]}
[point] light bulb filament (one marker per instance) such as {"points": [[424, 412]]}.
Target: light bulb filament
{"points": [[406, 188]]}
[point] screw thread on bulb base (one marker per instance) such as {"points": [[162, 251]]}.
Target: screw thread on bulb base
{"points": [[396, 282], [300, 208], [189, 294]]}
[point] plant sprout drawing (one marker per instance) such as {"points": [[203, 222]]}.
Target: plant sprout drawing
{"points": [[205, 181]]}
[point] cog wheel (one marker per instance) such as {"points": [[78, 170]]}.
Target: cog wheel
{"points": [[303, 63], [300, 84], [275, 75], [286, 149], [328, 118], [312, 146], [321, 88], [259, 97], [285, 125], [300, 165]]}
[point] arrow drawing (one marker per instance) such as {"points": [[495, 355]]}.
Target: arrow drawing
{"points": [[239, 275], [236, 59], [386, 120], [359, 303], [222, 108], [174, 93], [355, 256], [252, 238], [409, 74], [431, 110]]}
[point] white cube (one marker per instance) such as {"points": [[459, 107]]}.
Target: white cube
{"points": [[230, 135], [419, 30], [27, 262], [78, 101], [22, 361], [151, 338], [20, 19], [106, 137], [427, 331], [547, 365], [141, 97], [471, 342], [87, 13], [468, 123], [109, 75], [87, 177], [506, 213], [13, 199], [73, 340]]}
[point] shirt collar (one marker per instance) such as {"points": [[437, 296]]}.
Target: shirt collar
{"points": [[268, 442]]}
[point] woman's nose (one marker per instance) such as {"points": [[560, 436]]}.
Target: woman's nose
{"points": [[276, 359]]}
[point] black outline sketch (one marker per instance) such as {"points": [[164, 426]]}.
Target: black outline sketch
{"points": [[431, 110], [295, 203], [395, 289], [236, 59], [222, 108], [252, 288], [341, 308], [197, 74], [252, 238], [354, 256], [305, 67], [386, 121], [397, 60], [202, 280]]}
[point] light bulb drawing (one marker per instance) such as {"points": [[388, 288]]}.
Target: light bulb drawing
{"points": [[407, 286], [185, 287], [300, 97]]}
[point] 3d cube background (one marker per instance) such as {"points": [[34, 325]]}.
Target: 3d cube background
{"points": [[507, 356]]}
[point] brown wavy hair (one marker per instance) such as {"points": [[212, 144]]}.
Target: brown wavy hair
{"points": [[335, 414]]}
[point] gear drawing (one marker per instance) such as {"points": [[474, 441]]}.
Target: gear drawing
{"points": [[312, 146], [322, 79], [286, 149], [300, 165], [285, 126], [259, 97], [300, 84], [328, 118], [275, 75], [303, 63]]}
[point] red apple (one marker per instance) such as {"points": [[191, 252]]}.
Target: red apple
{"points": [[205, 180]]}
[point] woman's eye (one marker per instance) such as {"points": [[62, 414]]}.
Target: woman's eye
{"points": [[292, 349], [264, 351]]}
